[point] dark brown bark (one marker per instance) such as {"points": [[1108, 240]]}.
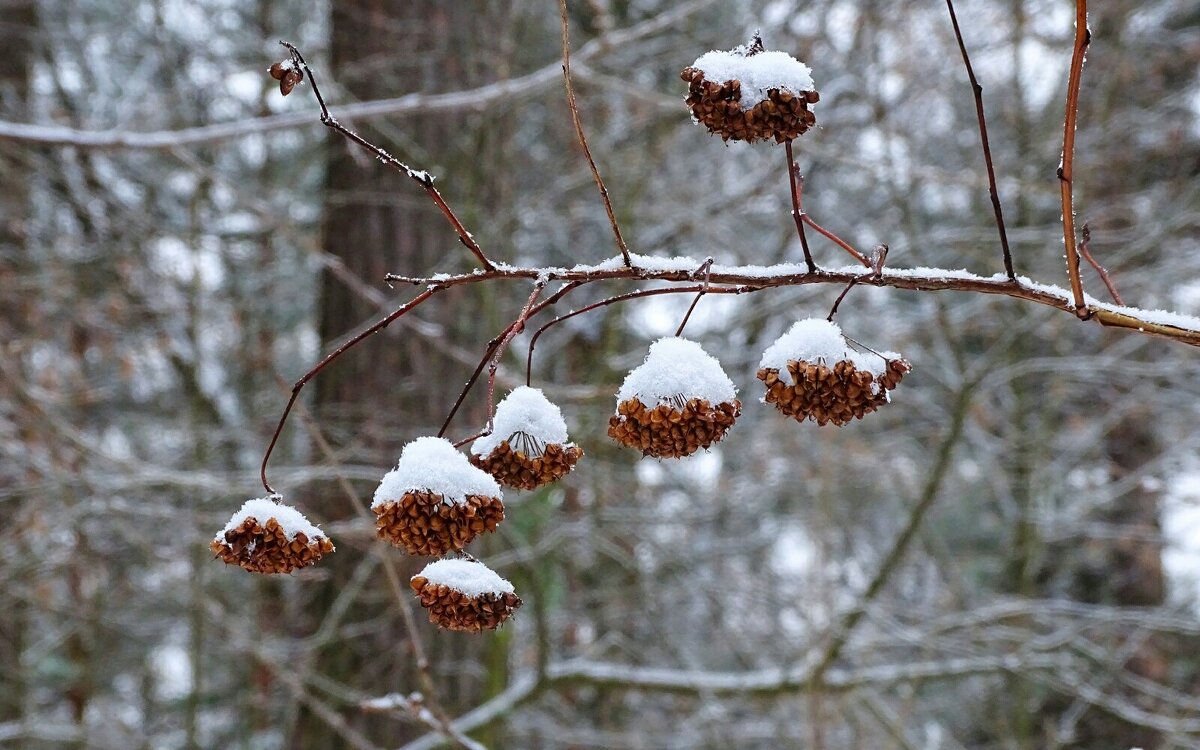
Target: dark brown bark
{"points": [[400, 384], [18, 27]]}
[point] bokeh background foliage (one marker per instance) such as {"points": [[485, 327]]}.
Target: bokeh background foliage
{"points": [[158, 295]]}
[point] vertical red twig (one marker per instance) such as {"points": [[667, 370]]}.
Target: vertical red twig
{"points": [[796, 213], [987, 149], [587, 152], [1083, 37], [329, 358], [422, 178]]}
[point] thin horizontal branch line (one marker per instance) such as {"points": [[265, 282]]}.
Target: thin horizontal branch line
{"points": [[417, 103], [760, 682]]}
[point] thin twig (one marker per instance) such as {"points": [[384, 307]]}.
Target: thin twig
{"points": [[877, 262], [833, 310], [421, 177], [706, 267], [587, 152], [497, 348], [798, 183], [1086, 252], [328, 359], [491, 348], [977, 90], [793, 170], [1083, 37], [623, 298]]}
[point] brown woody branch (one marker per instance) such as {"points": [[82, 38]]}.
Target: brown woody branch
{"points": [[587, 152], [797, 199], [327, 360], [757, 278], [797, 214], [510, 332], [1066, 168], [1086, 252], [421, 177], [977, 90]]}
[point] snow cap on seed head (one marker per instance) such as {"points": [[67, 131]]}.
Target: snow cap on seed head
{"points": [[263, 509], [433, 464], [819, 341], [525, 410], [468, 577], [677, 368], [758, 73]]}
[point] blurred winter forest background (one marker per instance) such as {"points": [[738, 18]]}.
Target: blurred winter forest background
{"points": [[178, 244]]}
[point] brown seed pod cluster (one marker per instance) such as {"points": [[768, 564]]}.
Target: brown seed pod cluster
{"points": [[670, 430], [782, 116], [266, 548], [513, 467], [454, 610], [288, 75], [837, 394], [464, 594], [424, 524]]}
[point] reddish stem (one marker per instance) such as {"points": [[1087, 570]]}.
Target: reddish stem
{"points": [[587, 152], [1066, 168], [487, 355], [706, 266], [329, 358], [513, 329], [793, 170], [624, 298], [422, 178], [987, 149], [1085, 251], [799, 184], [845, 291]]}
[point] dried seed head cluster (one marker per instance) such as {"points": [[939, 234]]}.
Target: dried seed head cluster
{"points": [[527, 446], [812, 372], [675, 403], [464, 595], [434, 500], [423, 523], [268, 537], [668, 431], [837, 394], [529, 466], [749, 94], [782, 117]]}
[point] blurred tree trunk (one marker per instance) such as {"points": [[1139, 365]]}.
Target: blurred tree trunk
{"points": [[401, 384], [19, 28]]}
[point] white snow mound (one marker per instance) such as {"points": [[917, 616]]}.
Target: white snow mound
{"points": [[675, 368], [757, 73], [432, 464], [466, 576], [525, 410], [820, 342], [263, 509]]}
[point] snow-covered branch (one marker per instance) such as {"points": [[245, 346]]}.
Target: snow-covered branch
{"points": [[1176, 326]]}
